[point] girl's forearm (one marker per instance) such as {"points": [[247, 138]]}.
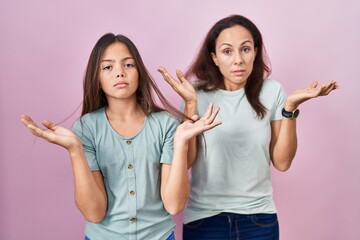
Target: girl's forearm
{"points": [[177, 188], [90, 196]]}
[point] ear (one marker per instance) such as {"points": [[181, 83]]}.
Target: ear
{"points": [[255, 51], [214, 58]]}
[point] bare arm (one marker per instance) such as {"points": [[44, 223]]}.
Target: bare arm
{"points": [[283, 144], [90, 195], [175, 187], [184, 88]]}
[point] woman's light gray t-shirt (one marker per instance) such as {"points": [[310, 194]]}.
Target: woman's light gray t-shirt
{"points": [[232, 169]]}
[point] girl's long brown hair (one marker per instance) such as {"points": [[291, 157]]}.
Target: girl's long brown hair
{"points": [[94, 97], [208, 74]]}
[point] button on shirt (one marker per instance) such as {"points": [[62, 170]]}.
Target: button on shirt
{"points": [[131, 171]]}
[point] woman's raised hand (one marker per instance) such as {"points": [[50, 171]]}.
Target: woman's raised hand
{"points": [[191, 128], [301, 95], [183, 87], [53, 133]]}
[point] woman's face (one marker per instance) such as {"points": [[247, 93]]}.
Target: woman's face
{"points": [[234, 55], [119, 77]]}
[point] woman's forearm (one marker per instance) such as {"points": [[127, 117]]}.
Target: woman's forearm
{"points": [[285, 146], [191, 110]]}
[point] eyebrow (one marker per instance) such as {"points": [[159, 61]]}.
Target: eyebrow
{"points": [[112, 60], [246, 41]]}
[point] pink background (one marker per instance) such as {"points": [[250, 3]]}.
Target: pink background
{"points": [[43, 53]]}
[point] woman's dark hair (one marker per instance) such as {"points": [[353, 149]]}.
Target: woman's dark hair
{"points": [[94, 97], [208, 74]]}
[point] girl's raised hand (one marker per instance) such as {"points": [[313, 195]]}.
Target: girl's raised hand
{"points": [[301, 95], [191, 128], [183, 87], [53, 133]]}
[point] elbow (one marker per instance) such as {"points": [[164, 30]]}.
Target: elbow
{"points": [[93, 214], [95, 217], [175, 209], [283, 167]]}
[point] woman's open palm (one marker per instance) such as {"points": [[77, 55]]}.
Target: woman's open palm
{"points": [[183, 87], [301, 95]]}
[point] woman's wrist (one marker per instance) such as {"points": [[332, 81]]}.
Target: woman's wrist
{"points": [[290, 106]]}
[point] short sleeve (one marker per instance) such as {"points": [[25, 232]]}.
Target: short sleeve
{"points": [[279, 103], [168, 145], [82, 130]]}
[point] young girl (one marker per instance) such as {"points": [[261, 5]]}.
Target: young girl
{"points": [[231, 192], [128, 155]]}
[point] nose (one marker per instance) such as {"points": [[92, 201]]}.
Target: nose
{"points": [[238, 58], [120, 73]]}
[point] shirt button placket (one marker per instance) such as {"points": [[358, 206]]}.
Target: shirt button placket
{"points": [[131, 181]]}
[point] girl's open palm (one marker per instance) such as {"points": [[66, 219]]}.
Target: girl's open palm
{"points": [[52, 133], [191, 128]]}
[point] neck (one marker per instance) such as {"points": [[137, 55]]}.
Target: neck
{"points": [[124, 109]]}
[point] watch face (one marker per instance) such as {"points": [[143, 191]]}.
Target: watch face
{"points": [[296, 113], [287, 114]]}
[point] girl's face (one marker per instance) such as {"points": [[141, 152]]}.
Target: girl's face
{"points": [[234, 55], [119, 77]]}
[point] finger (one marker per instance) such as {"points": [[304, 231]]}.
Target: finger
{"points": [[314, 84], [194, 118], [26, 120], [327, 90], [168, 78], [36, 130], [49, 125], [212, 116], [208, 111], [181, 76], [210, 126]]}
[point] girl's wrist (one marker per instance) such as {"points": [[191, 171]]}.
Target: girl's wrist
{"points": [[76, 150]]}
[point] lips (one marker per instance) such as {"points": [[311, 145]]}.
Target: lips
{"points": [[121, 84], [239, 72]]}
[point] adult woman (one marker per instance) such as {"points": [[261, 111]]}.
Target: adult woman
{"points": [[128, 177], [231, 192]]}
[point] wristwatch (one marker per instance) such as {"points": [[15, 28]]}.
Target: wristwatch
{"points": [[293, 114]]}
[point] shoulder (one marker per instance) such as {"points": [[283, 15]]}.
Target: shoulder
{"points": [[205, 95], [90, 119], [163, 118], [272, 86]]}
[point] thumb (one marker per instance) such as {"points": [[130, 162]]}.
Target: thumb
{"points": [[314, 84], [49, 125]]}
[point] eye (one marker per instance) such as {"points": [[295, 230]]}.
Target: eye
{"points": [[227, 51], [129, 65], [107, 68], [246, 49]]}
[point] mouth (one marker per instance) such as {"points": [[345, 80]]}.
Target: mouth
{"points": [[239, 72], [121, 84]]}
